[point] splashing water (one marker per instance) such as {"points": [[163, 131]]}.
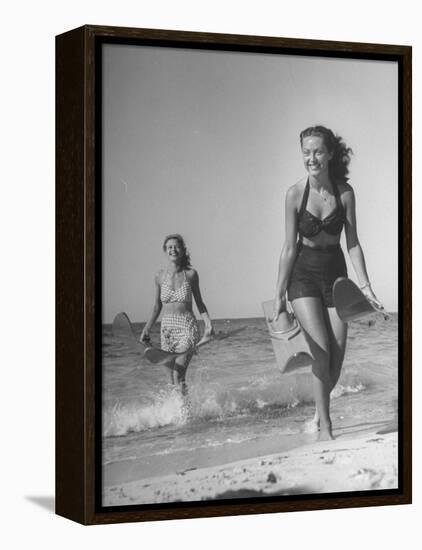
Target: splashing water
{"points": [[168, 407]]}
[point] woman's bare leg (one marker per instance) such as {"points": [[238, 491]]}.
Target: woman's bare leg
{"points": [[310, 314], [337, 334], [171, 368], [180, 367]]}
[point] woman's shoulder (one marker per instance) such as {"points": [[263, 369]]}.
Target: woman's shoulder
{"points": [[191, 273], [295, 192], [159, 276], [299, 186], [344, 186], [345, 190], [346, 193]]}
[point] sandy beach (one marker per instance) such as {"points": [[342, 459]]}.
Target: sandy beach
{"points": [[352, 462], [245, 431]]}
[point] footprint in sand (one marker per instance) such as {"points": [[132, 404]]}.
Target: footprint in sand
{"points": [[367, 478], [328, 459]]}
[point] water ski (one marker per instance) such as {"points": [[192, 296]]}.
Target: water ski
{"points": [[351, 303], [290, 347], [123, 330]]}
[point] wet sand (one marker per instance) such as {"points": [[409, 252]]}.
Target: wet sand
{"points": [[360, 458]]}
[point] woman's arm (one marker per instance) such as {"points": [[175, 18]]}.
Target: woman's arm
{"points": [[288, 252], [156, 309], [194, 281], [354, 248]]}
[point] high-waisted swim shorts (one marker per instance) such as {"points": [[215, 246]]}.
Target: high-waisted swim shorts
{"points": [[314, 273]]}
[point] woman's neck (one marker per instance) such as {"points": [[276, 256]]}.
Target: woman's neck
{"points": [[174, 268], [320, 182]]}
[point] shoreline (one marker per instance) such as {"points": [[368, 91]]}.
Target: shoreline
{"points": [[360, 460], [282, 435]]}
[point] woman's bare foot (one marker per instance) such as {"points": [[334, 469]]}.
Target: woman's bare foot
{"points": [[311, 426], [325, 433]]}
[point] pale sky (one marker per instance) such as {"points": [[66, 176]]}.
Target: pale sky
{"points": [[206, 144]]}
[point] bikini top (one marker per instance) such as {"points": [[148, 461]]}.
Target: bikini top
{"points": [[310, 225], [182, 294]]}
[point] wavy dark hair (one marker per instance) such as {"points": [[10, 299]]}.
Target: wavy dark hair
{"points": [[338, 167], [185, 261]]}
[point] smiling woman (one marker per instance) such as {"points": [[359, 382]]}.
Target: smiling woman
{"points": [[317, 209], [174, 288]]}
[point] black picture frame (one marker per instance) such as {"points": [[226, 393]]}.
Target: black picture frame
{"points": [[78, 272]]}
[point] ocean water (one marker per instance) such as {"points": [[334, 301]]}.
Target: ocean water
{"points": [[240, 405]]}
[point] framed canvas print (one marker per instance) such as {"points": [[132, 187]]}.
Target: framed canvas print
{"points": [[233, 274]]}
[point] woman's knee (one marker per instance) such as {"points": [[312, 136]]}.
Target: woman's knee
{"points": [[319, 347], [337, 330], [181, 364], [322, 360], [321, 355]]}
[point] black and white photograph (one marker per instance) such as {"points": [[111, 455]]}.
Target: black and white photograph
{"points": [[210, 304], [250, 305]]}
